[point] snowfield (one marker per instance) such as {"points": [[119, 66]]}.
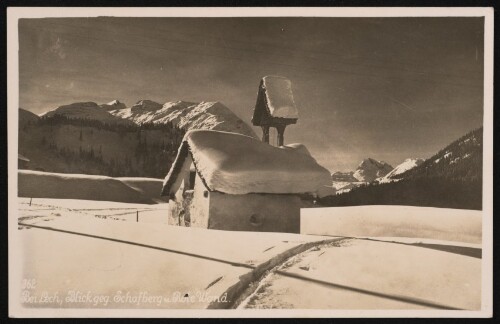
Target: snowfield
{"points": [[88, 187], [457, 225], [98, 249], [345, 186], [66, 249], [51, 209], [362, 274]]}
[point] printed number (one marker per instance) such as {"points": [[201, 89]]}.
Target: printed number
{"points": [[28, 284]]}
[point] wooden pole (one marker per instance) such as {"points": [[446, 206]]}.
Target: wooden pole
{"points": [[265, 134], [31, 200], [281, 133], [137, 217]]}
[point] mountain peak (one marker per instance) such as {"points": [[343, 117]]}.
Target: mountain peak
{"points": [[370, 161], [145, 105], [370, 169], [113, 105]]}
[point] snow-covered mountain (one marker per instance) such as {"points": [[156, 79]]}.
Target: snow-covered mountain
{"points": [[458, 151], [462, 160], [145, 105], [344, 176], [451, 178], [369, 170], [86, 110], [186, 115], [113, 105], [407, 164]]}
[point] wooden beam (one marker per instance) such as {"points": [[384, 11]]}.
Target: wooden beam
{"points": [[265, 134], [281, 133]]}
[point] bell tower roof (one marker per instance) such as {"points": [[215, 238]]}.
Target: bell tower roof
{"points": [[275, 104]]}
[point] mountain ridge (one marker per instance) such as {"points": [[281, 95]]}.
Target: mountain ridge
{"points": [[188, 115], [451, 178], [85, 110], [368, 170], [182, 114], [406, 165]]}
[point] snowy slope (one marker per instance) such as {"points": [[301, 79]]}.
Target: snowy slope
{"points": [[407, 164], [462, 160], [346, 186], [36, 184], [344, 176], [188, 115], [459, 151], [131, 257], [145, 105], [376, 276], [445, 224], [86, 110]]}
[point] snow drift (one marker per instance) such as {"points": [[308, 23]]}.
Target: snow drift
{"points": [[394, 221], [38, 184]]}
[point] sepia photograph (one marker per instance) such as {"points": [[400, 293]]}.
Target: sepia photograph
{"points": [[250, 162]]}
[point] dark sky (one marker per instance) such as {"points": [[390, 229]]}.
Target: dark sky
{"points": [[386, 88]]}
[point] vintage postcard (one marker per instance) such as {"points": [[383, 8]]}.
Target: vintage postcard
{"points": [[250, 162]]}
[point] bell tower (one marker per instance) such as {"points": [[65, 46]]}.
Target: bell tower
{"points": [[275, 107]]}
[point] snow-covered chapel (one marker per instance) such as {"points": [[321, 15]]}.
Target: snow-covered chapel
{"points": [[228, 181]]}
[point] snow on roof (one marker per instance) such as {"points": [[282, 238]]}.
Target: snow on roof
{"points": [[279, 97], [297, 147], [238, 164]]}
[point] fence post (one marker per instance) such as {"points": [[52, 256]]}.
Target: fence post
{"points": [[137, 217], [31, 200]]}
